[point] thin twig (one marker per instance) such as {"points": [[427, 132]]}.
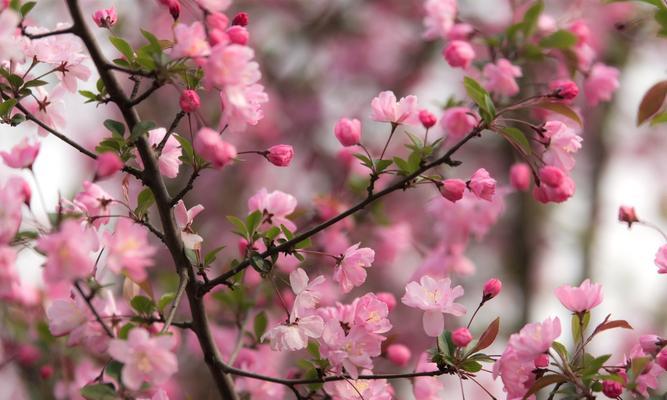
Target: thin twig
{"points": [[182, 283], [88, 299], [171, 129], [186, 189], [45, 34]]}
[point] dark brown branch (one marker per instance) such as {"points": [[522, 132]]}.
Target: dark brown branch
{"points": [[146, 94], [45, 34], [171, 130], [88, 299], [129, 71], [187, 188]]}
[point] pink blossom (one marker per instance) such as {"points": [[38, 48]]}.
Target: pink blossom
{"points": [[238, 35], [128, 250], [562, 143], [563, 89], [459, 53], [439, 19], [242, 106], [385, 108], [212, 148], [627, 214], [190, 41], [217, 20], [461, 337], [22, 155], [184, 219], [280, 155], [612, 389], [650, 344], [516, 373], [189, 101], [435, 297], [535, 338], [294, 336], [427, 118], [580, 299], [65, 51], [348, 131], [145, 358], [12, 197], [105, 18], [230, 65], [9, 279], [541, 361], [601, 83], [107, 164], [399, 354], [492, 288], [500, 78], [520, 176], [65, 315], [215, 5], [371, 313], [48, 108], [648, 378], [555, 186], [366, 389], [95, 202], [68, 252], [307, 293], [661, 259], [453, 189], [427, 387], [350, 351], [458, 122], [482, 185], [388, 299], [275, 206], [10, 47], [661, 359], [350, 271], [241, 19], [169, 160], [581, 30]]}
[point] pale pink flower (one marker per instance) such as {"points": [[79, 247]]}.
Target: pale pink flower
{"points": [[275, 206], [68, 252], [48, 108], [107, 164], [482, 185], [366, 389], [661, 259], [145, 358], [459, 53], [190, 41], [371, 313], [169, 160], [95, 202], [128, 250], [427, 387], [555, 186], [307, 293], [385, 108], [350, 351], [350, 271], [580, 299], [22, 155], [461, 31], [435, 297], [242, 106], [184, 219], [650, 343], [212, 148], [601, 83], [562, 144], [231, 65], [10, 47], [535, 338], [13, 195], [515, 372], [105, 18], [66, 315], [520, 176], [294, 335], [648, 379], [500, 78], [215, 5], [348, 131], [458, 122], [439, 19]]}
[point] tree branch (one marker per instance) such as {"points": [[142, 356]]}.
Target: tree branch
{"points": [[182, 283], [187, 188], [45, 34], [87, 299]]}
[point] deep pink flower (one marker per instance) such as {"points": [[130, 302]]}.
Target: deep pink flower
{"points": [[458, 122], [492, 288], [107, 164], [453, 189], [385, 108], [482, 185], [218, 21], [238, 35], [661, 259], [105, 18], [189, 101], [348, 131], [399, 354], [184, 219], [563, 89], [435, 297], [461, 337], [128, 250], [350, 271], [22, 155], [612, 389], [241, 19], [427, 118], [627, 214], [276, 206], [520, 176], [580, 299], [145, 358], [601, 83], [562, 144], [280, 155], [541, 361], [555, 186], [459, 54], [500, 78], [661, 359], [439, 19], [68, 252], [212, 148]]}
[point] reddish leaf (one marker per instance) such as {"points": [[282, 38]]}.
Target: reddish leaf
{"points": [[544, 382], [652, 101], [489, 336], [562, 109], [619, 323]]}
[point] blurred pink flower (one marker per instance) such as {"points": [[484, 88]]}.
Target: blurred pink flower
{"points": [[348, 131], [482, 185], [453, 189], [459, 54], [520, 176], [95, 202], [458, 122], [190, 41], [427, 387], [68, 252], [105, 18], [562, 144], [500, 78], [601, 83], [189, 101], [169, 161], [439, 19], [107, 164], [367, 389], [22, 155], [275, 206], [399, 354], [212, 148], [661, 259], [128, 250], [555, 186]]}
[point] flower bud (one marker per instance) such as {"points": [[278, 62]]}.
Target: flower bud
{"points": [[459, 53], [46, 372], [520, 176], [627, 214], [348, 131], [27, 354], [241, 19], [452, 189], [242, 246], [564, 90], [661, 359], [388, 299], [612, 389], [492, 288], [217, 20], [189, 101], [541, 361], [398, 354], [107, 164], [649, 343], [105, 18], [174, 9], [212, 148], [461, 337], [280, 155], [427, 118], [482, 185], [238, 35]]}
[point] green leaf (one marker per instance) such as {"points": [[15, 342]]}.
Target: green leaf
{"points": [[188, 152], [27, 7], [115, 127], [561, 39], [560, 349], [561, 109], [402, 165], [579, 325], [543, 382], [304, 244], [15, 81], [165, 300], [239, 225], [637, 365], [260, 324], [35, 83], [471, 366], [381, 165], [123, 47], [475, 91], [272, 233], [143, 305], [260, 264], [98, 391], [212, 255], [531, 17], [659, 119], [652, 102], [517, 137], [144, 201], [141, 129], [364, 160], [7, 106], [253, 221], [153, 41]]}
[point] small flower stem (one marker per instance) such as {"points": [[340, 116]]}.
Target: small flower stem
{"points": [[475, 313], [391, 134], [182, 284]]}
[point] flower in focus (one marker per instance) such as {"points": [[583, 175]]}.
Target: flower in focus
{"points": [[184, 219], [601, 83], [105, 18], [350, 270], [275, 207], [385, 108], [580, 299], [435, 297]]}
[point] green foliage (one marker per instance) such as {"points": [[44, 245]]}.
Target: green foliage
{"points": [[143, 305]]}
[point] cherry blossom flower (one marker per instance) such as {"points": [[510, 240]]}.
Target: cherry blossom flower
{"points": [[65, 315], [564, 89], [212, 148], [435, 297], [580, 299], [482, 185], [601, 83], [275, 206], [169, 160], [461, 337], [105, 18], [348, 131], [107, 164], [492, 288], [458, 122], [95, 202], [47, 107], [145, 358], [351, 350], [294, 335], [184, 219], [385, 108], [10, 47], [84, 373], [562, 144], [453, 189], [648, 378], [68, 252], [366, 389], [535, 338], [427, 118], [500, 78], [242, 106], [439, 19], [350, 270], [280, 155], [661, 259], [189, 101], [371, 313], [128, 250], [22, 155], [556, 186], [307, 293], [459, 54], [190, 41], [399, 354], [515, 372]]}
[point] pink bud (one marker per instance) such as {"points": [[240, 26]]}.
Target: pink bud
{"points": [[107, 164], [649, 343], [243, 246], [552, 176], [564, 89], [241, 19], [541, 361], [217, 20], [399, 354], [492, 288], [461, 337], [105, 18], [27, 354], [212, 148], [46, 372], [482, 185], [661, 359], [189, 101], [612, 389], [555, 186], [627, 214], [452, 189], [174, 8], [238, 35], [348, 131], [520, 176], [388, 299], [280, 155], [427, 118], [459, 53], [216, 36]]}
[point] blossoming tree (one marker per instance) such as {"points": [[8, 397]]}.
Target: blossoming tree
{"points": [[142, 286]]}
